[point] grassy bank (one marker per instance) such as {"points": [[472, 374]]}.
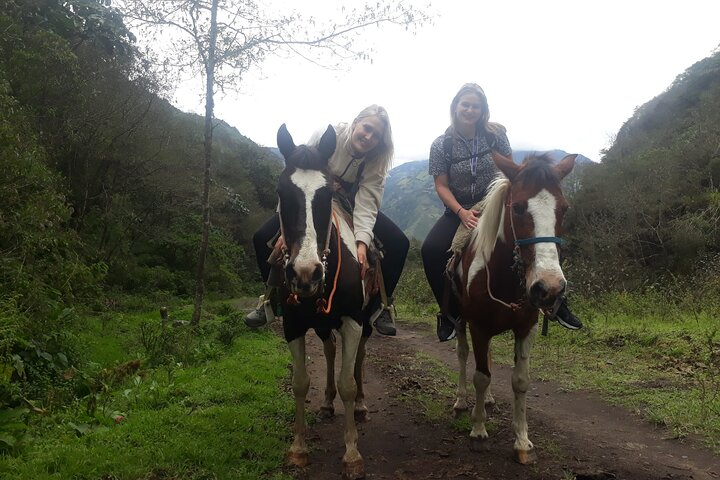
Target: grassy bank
{"points": [[642, 351], [166, 403]]}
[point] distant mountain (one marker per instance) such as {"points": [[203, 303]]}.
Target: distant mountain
{"points": [[411, 202], [410, 199]]}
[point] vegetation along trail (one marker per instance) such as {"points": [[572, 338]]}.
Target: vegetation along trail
{"points": [[411, 433]]}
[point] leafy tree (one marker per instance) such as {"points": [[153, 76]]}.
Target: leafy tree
{"points": [[223, 39]]}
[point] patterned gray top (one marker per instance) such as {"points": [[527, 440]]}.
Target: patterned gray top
{"points": [[467, 188]]}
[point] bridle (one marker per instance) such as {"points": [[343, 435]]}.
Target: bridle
{"points": [[518, 266], [323, 306]]}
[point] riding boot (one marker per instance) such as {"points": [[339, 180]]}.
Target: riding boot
{"points": [[264, 311], [446, 327], [565, 317], [384, 321], [383, 317]]}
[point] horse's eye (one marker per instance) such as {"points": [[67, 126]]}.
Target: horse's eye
{"points": [[519, 209]]}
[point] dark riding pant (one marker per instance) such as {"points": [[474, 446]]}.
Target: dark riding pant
{"points": [[435, 252], [394, 241]]}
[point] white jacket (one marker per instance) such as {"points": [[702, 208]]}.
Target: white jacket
{"points": [[370, 188]]}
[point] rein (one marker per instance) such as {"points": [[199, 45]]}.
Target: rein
{"points": [[326, 306]]}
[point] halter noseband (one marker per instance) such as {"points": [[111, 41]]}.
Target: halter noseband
{"points": [[523, 242]]}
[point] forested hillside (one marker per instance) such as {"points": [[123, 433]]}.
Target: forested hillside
{"points": [[100, 183], [648, 216]]}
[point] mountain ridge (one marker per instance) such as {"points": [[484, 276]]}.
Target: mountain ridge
{"points": [[410, 199]]}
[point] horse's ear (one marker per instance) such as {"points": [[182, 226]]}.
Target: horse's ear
{"points": [[565, 166], [285, 141], [506, 165], [327, 142]]}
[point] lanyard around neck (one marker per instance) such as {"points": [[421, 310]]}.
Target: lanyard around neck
{"points": [[474, 148]]}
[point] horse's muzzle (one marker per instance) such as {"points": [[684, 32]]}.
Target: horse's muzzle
{"points": [[543, 294], [306, 281]]}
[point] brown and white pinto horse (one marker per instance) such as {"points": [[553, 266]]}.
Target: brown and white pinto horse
{"points": [[510, 271], [322, 289]]}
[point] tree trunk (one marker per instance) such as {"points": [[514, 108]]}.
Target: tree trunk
{"points": [[209, 107]]}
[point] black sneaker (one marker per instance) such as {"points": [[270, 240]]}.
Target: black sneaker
{"points": [[385, 323], [566, 318], [445, 328], [256, 318]]}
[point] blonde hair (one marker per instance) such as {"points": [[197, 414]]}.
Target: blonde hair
{"points": [[385, 150]]}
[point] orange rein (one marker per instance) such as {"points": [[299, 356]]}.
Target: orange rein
{"points": [[326, 306]]}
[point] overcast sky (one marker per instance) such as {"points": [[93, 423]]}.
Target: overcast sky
{"points": [[558, 74]]}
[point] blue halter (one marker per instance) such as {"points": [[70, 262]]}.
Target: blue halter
{"points": [[533, 240], [523, 242]]}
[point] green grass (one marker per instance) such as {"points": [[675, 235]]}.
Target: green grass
{"points": [[221, 416]]}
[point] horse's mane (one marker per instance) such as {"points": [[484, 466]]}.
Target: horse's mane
{"points": [[492, 207], [306, 158]]}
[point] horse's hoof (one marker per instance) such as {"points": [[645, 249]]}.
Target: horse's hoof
{"points": [[298, 459], [525, 457], [362, 415], [353, 470], [459, 411], [479, 444], [326, 412]]}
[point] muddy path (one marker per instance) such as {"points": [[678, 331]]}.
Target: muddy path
{"points": [[576, 434]]}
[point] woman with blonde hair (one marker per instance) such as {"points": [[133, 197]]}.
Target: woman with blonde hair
{"points": [[462, 166], [362, 158]]}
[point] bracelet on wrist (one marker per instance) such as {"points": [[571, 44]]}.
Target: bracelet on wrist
{"points": [[458, 210]]}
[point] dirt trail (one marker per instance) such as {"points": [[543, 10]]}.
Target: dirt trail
{"points": [[576, 434]]}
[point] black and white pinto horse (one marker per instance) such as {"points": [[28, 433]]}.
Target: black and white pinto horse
{"points": [[323, 289]]}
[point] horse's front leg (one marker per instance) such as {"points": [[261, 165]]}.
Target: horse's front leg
{"points": [[351, 333], [489, 399], [524, 450], [481, 382], [463, 350], [298, 454], [361, 410], [327, 409]]}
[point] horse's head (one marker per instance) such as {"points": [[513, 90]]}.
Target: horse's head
{"points": [[534, 213], [305, 196]]}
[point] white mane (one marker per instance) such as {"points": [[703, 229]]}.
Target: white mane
{"points": [[488, 230]]}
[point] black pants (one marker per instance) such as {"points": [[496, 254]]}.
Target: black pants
{"points": [[394, 241], [435, 252]]}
